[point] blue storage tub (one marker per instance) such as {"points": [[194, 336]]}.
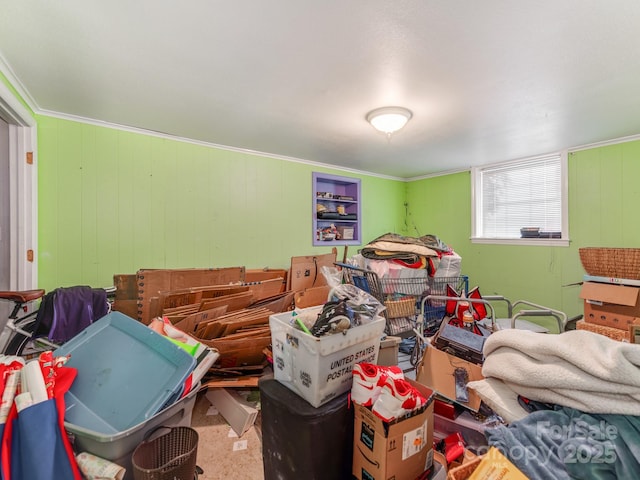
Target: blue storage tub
{"points": [[126, 374]]}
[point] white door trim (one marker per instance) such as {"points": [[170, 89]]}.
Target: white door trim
{"points": [[23, 191]]}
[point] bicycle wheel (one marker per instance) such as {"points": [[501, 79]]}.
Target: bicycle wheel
{"points": [[30, 345]]}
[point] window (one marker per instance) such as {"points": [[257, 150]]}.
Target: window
{"points": [[524, 201]]}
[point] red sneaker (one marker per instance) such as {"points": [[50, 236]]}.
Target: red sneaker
{"points": [[368, 380], [397, 398]]}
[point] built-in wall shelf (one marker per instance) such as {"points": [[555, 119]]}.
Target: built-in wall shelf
{"points": [[336, 210]]}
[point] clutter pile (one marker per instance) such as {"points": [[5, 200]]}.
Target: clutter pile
{"points": [[421, 253], [314, 353], [578, 380], [225, 309], [63, 416], [461, 331], [326, 355], [131, 378], [405, 270], [451, 361], [545, 394]]}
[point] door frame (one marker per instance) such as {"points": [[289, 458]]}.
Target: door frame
{"points": [[23, 192]]}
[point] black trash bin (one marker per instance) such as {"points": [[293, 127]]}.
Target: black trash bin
{"points": [[303, 442]]}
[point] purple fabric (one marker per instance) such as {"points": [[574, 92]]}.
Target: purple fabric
{"points": [[74, 309]]}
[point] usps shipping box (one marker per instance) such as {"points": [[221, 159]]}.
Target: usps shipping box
{"points": [[320, 368]]}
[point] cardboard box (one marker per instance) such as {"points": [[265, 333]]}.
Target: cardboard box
{"points": [[306, 271], [346, 233], [399, 450], [312, 297], [437, 371], [388, 354], [151, 282], [260, 275], [319, 368], [128, 307], [610, 305], [126, 296]]}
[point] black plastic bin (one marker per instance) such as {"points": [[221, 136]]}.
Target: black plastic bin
{"points": [[300, 441]]}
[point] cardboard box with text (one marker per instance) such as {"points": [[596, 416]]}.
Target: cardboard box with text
{"points": [[399, 450]]}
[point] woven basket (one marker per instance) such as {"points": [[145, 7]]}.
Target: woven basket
{"points": [[404, 307], [462, 472], [613, 333], [168, 457], [611, 262]]}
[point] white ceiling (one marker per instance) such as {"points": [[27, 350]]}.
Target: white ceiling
{"points": [[487, 81]]}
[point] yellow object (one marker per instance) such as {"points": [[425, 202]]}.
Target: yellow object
{"points": [[494, 466]]}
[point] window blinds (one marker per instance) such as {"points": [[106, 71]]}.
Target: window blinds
{"points": [[524, 194]]}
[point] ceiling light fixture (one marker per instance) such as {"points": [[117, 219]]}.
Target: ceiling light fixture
{"points": [[389, 119]]}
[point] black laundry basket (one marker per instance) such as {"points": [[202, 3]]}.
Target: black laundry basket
{"points": [[171, 456]]}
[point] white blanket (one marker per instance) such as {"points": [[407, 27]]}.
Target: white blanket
{"points": [[578, 369]]}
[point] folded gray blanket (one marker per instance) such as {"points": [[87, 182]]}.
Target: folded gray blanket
{"points": [[429, 241], [578, 369]]}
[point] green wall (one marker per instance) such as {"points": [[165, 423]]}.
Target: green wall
{"points": [[112, 202], [604, 193]]}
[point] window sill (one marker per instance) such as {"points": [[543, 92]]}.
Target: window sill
{"points": [[535, 242]]}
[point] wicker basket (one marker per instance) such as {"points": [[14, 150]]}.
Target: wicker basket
{"points": [[613, 333], [168, 457], [462, 472], [611, 262], [404, 307]]}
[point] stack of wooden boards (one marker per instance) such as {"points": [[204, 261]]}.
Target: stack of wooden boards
{"points": [[201, 301], [225, 308]]}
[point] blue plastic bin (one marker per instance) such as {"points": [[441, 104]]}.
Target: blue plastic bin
{"points": [[126, 374]]}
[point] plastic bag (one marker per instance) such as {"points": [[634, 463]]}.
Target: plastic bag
{"points": [[365, 306], [347, 306]]}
